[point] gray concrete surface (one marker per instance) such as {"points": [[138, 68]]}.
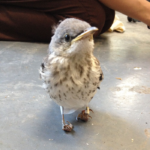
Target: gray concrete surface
{"points": [[29, 120]]}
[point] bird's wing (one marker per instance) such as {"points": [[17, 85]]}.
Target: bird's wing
{"points": [[43, 64], [101, 77]]}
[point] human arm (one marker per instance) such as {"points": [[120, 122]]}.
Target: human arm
{"points": [[138, 9]]}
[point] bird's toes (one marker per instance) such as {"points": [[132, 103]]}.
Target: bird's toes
{"points": [[83, 117], [68, 127], [91, 110]]}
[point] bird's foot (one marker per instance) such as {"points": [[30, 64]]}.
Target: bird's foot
{"points": [[83, 116], [67, 127]]}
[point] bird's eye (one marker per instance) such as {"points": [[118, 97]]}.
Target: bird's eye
{"points": [[67, 38]]}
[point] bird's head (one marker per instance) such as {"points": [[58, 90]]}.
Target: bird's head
{"points": [[72, 37]]}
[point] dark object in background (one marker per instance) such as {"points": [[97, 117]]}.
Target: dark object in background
{"points": [[131, 19]]}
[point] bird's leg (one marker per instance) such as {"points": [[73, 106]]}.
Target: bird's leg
{"points": [[85, 114], [66, 127]]}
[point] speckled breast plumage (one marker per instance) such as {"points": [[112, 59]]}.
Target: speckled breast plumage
{"points": [[71, 83]]}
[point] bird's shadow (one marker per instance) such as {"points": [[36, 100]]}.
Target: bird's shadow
{"points": [[50, 121], [103, 128]]}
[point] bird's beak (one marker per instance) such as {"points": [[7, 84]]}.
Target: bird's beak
{"points": [[88, 33]]}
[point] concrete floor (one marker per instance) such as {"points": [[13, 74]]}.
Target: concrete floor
{"points": [[29, 120]]}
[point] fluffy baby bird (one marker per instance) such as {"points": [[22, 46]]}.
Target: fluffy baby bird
{"points": [[70, 72]]}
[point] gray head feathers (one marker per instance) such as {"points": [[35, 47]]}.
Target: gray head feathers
{"points": [[65, 32]]}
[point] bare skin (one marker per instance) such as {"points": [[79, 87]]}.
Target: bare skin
{"points": [[138, 9]]}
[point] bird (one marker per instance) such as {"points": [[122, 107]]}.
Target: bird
{"points": [[70, 72]]}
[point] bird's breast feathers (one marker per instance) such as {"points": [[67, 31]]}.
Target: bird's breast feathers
{"points": [[71, 82]]}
